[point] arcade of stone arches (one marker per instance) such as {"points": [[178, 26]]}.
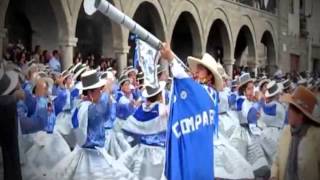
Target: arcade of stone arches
{"points": [[64, 25]]}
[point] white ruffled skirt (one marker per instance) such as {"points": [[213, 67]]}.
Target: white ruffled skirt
{"points": [[146, 162], [229, 163], [269, 142], [90, 164], [116, 143], [65, 128], [47, 150]]}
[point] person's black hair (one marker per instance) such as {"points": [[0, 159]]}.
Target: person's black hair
{"points": [[243, 88], [55, 52], [154, 98]]}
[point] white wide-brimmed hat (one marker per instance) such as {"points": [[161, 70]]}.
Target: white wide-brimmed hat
{"points": [[8, 81], [123, 79], [130, 69], [244, 79], [209, 62], [91, 80], [272, 89], [151, 91]]}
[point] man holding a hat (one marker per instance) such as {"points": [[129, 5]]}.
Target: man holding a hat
{"points": [[298, 154]]}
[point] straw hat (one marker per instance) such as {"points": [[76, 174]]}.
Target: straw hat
{"points": [[150, 91], [272, 89], [91, 80], [305, 101], [209, 62], [222, 72], [244, 79]]}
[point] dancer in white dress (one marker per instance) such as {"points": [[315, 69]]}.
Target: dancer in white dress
{"points": [[273, 116], [148, 128], [90, 160]]}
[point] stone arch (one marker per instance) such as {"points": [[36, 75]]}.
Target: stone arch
{"points": [[97, 34], [220, 29], [245, 48], [151, 17], [23, 18], [267, 40], [189, 15]]}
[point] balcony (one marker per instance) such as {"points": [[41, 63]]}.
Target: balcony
{"points": [[265, 5]]}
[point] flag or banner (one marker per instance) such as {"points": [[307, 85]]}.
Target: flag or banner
{"points": [[189, 149], [136, 51], [148, 60]]}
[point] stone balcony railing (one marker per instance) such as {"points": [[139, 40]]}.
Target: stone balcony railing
{"points": [[259, 4]]}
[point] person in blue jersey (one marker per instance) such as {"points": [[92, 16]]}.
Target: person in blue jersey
{"points": [[45, 148], [126, 104], [273, 115], [148, 128], [246, 138], [89, 160]]}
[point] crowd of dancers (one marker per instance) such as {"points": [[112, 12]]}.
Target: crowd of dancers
{"points": [[85, 123]]}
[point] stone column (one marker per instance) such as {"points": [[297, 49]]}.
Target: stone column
{"points": [[121, 58], [3, 33], [228, 66], [252, 64], [66, 47]]}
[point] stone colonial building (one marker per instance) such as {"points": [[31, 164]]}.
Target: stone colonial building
{"points": [[251, 33]]}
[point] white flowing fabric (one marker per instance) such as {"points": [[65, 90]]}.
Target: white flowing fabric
{"points": [[45, 153], [229, 163], [86, 164], [116, 143], [146, 162]]}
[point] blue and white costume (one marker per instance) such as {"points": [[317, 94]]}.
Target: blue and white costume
{"points": [[115, 144], [89, 160], [148, 128], [273, 116], [124, 109], [246, 139], [47, 147]]}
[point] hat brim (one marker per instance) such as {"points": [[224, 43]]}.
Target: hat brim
{"points": [[193, 62], [246, 82], [162, 85], [289, 99], [130, 71], [268, 95], [78, 73], [101, 83], [14, 79]]}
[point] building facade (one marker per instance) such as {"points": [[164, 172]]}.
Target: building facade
{"points": [[238, 33]]}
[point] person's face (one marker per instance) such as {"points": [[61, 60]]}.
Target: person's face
{"points": [[201, 72], [295, 117], [264, 88], [69, 81], [132, 76], [126, 87], [95, 94], [41, 88], [249, 91]]}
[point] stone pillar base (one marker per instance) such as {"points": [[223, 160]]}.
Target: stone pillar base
{"points": [[121, 58], [66, 47]]}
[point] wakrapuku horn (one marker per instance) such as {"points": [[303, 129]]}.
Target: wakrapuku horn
{"points": [[91, 6]]}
